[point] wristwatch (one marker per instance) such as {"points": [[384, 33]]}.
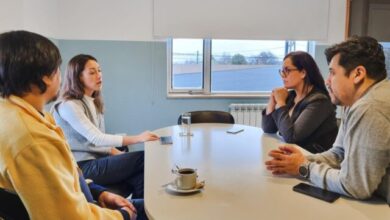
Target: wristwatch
{"points": [[304, 170]]}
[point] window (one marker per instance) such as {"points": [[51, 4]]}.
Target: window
{"points": [[218, 67], [386, 49], [187, 64]]}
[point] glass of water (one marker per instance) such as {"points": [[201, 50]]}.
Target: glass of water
{"points": [[186, 124]]}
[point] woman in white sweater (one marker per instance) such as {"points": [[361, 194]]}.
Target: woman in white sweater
{"points": [[80, 114]]}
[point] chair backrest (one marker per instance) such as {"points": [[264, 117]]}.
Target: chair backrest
{"points": [[210, 117], [11, 207]]}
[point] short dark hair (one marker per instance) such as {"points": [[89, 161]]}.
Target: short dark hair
{"points": [[25, 58], [356, 51], [304, 61]]}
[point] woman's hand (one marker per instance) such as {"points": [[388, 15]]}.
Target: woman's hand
{"points": [[144, 136], [280, 95], [115, 151], [271, 104], [147, 136]]}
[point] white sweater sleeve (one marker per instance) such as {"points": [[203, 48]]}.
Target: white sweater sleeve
{"points": [[75, 116]]}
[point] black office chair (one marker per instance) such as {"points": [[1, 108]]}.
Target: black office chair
{"points": [[210, 117], [11, 207]]}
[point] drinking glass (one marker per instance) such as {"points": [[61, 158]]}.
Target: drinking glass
{"points": [[186, 124]]}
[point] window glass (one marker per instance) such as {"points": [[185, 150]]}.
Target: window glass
{"points": [[187, 63], [245, 65], [386, 49], [227, 67]]}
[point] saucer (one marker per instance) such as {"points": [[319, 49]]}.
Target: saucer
{"points": [[172, 187]]}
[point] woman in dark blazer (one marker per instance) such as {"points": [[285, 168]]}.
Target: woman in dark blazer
{"points": [[301, 111]]}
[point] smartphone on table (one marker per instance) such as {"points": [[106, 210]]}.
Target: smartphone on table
{"points": [[166, 140], [316, 192], [235, 130]]}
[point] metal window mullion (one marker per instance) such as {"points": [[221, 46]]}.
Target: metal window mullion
{"points": [[311, 48], [207, 66], [169, 65]]}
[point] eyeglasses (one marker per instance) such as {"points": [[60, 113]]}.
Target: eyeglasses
{"points": [[286, 71]]}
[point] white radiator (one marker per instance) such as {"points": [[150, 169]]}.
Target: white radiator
{"points": [[247, 114]]}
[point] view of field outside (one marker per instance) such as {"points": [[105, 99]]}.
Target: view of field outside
{"points": [[236, 65]]}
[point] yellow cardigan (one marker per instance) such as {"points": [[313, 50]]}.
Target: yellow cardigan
{"points": [[36, 163]]}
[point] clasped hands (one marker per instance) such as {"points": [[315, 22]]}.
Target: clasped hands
{"points": [[285, 160], [277, 99], [280, 95]]}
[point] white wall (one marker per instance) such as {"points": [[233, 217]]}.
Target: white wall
{"points": [[10, 11], [105, 20], [34, 15], [80, 19], [41, 16]]}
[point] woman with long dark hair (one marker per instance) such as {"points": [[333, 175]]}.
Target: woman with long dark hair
{"points": [[301, 111]]}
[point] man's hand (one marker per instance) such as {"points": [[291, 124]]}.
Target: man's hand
{"points": [[113, 201], [285, 160]]}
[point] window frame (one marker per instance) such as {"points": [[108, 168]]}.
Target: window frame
{"points": [[170, 68], [205, 92]]}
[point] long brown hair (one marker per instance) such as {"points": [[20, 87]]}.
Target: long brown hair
{"points": [[73, 88]]}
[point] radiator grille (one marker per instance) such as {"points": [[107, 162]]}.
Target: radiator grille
{"points": [[247, 114]]}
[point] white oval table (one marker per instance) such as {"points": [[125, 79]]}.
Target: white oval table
{"points": [[238, 186]]}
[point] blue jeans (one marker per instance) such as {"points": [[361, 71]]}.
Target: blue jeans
{"points": [[138, 203], [122, 174]]}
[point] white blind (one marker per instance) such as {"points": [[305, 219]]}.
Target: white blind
{"points": [[242, 19]]}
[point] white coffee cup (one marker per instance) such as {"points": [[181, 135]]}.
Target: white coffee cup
{"points": [[185, 178]]}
